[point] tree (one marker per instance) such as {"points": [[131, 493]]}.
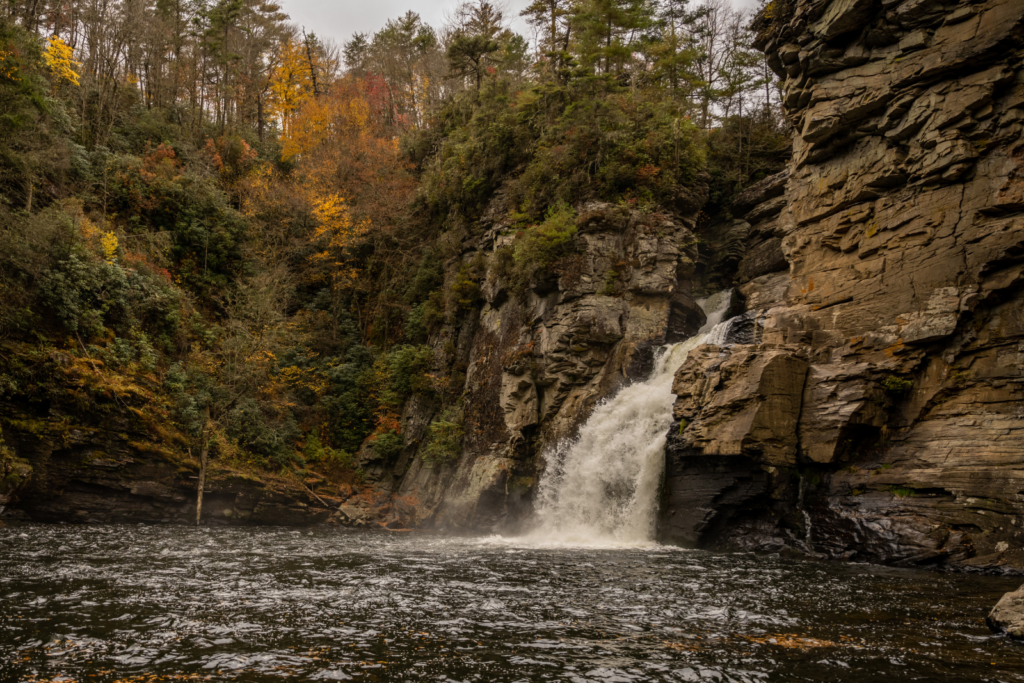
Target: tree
{"points": [[290, 83], [674, 52], [467, 56], [356, 53], [357, 184], [406, 54], [58, 58], [479, 18], [548, 16], [216, 378], [610, 30]]}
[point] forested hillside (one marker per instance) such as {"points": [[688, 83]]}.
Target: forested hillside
{"points": [[236, 233]]}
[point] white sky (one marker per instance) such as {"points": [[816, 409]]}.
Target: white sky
{"points": [[339, 19]]}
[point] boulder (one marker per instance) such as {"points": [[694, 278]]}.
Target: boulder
{"points": [[1008, 615]]}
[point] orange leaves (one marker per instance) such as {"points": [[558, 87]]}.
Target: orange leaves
{"points": [[160, 163], [388, 422], [647, 173], [343, 118], [352, 176], [324, 122]]}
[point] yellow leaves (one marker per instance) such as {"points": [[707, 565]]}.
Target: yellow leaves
{"points": [[108, 243], [260, 186], [290, 83], [8, 66], [335, 227], [305, 378], [331, 210], [59, 57]]}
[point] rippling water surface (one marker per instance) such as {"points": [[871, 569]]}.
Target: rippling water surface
{"points": [[142, 603]]}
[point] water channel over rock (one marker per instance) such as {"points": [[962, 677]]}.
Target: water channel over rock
{"points": [[602, 487], [142, 603]]}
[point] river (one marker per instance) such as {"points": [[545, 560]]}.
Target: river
{"points": [[154, 603]]}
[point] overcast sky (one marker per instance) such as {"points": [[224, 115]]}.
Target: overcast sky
{"points": [[339, 19]]}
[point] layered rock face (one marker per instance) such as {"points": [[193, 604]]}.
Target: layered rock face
{"points": [[870, 403], [538, 360]]}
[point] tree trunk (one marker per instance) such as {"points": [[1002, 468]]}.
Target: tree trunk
{"points": [[312, 67], [259, 116], [204, 455]]}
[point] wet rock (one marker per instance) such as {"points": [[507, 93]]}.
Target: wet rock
{"points": [[703, 493], [899, 404], [1008, 615], [537, 362], [757, 412]]}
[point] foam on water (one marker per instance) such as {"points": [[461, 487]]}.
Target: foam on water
{"points": [[600, 489]]}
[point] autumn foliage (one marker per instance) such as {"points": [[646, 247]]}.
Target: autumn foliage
{"points": [[198, 194]]}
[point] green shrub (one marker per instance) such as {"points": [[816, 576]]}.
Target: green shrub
{"points": [[347, 404], [425, 318], [266, 433], [897, 385], [556, 143], [387, 445], [444, 437], [542, 245], [85, 293], [407, 366], [537, 248], [465, 291], [315, 452], [901, 492], [608, 287]]}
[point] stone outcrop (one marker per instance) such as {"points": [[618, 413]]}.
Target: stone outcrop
{"points": [[873, 408], [537, 360], [1008, 615]]}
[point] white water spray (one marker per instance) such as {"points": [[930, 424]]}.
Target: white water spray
{"points": [[601, 488]]}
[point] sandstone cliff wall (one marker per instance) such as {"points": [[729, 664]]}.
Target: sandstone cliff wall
{"points": [[536, 362], [872, 405]]}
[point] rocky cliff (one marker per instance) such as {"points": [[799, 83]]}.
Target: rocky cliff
{"points": [[870, 403], [867, 401], [538, 357]]}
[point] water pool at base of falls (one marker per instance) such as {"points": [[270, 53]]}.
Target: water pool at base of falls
{"points": [[156, 603]]}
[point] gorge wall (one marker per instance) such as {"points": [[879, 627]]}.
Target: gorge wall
{"points": [[538, 358], [871, 406], [867, 402]]}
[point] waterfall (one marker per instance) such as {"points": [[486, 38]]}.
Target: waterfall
{"points": [[601, 487]]}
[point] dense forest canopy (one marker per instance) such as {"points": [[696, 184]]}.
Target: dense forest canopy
{"points": [[251, 236]]}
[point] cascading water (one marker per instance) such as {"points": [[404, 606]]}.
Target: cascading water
{"points": [[601, 488]]}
